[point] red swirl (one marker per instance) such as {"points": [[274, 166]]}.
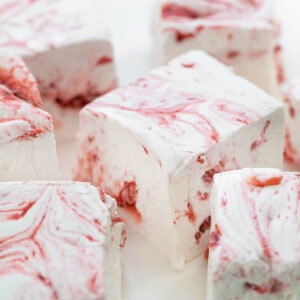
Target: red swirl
{"points": [[49, 231]]}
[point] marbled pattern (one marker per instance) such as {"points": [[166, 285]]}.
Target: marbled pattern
{"points": [[255, 250], [52, 240]]}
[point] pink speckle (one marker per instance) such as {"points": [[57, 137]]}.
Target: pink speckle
{"points": [[278, 59], [289, 151], [92, 284], [203, 228], [292, 111], [224, 202], [117, 219], [190, 213], [104, 60], [178, 216], [200, 159], [145, 150], [205, 225], [134, 213], [232, 54], [209, 174], [197, 237], [124, 238], [215, 237], [128, 194], [90, 238], [35, 132], [206, 254], [91, 139], [202, 196], [188, 65], [262, 139], [272, 286], [263, 182], [182, 36]]}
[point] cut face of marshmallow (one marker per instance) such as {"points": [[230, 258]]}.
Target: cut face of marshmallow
{"points": [[241, 34], [67, 49], [155, 145], [254, 240], [59, 240]]}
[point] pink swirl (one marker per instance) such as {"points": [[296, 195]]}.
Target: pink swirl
{"points": [[209, 9], [164, 108], [40, 21], [53, 236]]}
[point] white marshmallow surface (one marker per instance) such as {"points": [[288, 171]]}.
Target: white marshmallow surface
{"points": [[59, 240], [254, 242]]}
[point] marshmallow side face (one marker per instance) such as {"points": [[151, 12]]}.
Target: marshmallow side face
{"points": [[68, 51], [241, 36], [251, 256], [155, 145], [291, 93], [58, 239]]}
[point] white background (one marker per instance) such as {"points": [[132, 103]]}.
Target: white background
{"points": [[146, 274]]}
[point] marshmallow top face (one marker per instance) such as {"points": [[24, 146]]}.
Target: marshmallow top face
{"points": [[187, 106], [53, 239], [212, 11], [29, 27], [254, 240], [16, 76], [20, 120]]}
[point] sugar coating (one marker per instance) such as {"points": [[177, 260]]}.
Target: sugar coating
{"points": [[241, 34], [155, 145], [59, 240], [254, 240]]}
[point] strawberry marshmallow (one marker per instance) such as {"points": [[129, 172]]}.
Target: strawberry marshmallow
{"points": [[59, 240], [27, 143], [155, 145], [67, 49], [254, 239], [241, 34]]}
